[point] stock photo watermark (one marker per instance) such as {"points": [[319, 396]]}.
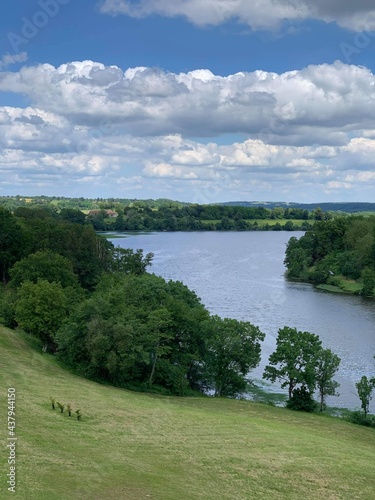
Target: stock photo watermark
{"points": [[360, 42], [31, 26], [11, 440]]}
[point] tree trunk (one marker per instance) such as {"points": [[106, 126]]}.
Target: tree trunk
{"points": [[152, 371]]}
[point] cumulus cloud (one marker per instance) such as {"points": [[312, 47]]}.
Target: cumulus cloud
{"points": [[258, 14], [318, 104], [111, 132]]}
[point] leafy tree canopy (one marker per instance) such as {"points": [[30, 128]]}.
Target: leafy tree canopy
{"points": [[41, 308], [46, 265], [232, 350], [295, 359]]}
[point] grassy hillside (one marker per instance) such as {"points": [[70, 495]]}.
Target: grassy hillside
{"points": [[138, 446]]}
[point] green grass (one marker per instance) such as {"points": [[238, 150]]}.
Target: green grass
{"points": [[138, 446], [346, 285], [349, 285]]}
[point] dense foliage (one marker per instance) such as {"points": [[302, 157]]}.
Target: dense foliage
{"points": [[342, 248], [365, 388], [302, 366], [136, 330], [99, 309]]}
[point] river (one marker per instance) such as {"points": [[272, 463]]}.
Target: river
{"points": [[241, 275]]}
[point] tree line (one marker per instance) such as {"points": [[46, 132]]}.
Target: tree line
{"points": [[169, 217]]}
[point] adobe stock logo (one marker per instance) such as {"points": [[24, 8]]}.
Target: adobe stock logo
{"points": [[31, 26]]}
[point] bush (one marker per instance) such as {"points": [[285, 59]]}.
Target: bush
{"points": [[359, 418], [334, 281], [301, 400]]}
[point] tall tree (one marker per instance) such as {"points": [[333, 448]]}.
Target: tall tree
{"points": [[295, 359], [364, 389], [232, 350], [40, 309], [327, 366], [11, 243], [125, 260]]}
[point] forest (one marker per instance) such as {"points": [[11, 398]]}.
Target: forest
{"points": [[339, 253], [98, 309]]}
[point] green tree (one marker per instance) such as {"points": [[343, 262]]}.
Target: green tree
{"points": [[232, 350], [159, 322], [277, 213], [88, 252], [318, 213], [11, 243], [364, 389], [295, 359], [368, 282], [120, 223], [40, 310], [296, 259], [45, 265], [125, 260], [327, 366], [136, 329], [73, 215]]}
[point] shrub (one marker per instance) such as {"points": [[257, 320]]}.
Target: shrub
{"points": [[301, 400], [359, 418]]}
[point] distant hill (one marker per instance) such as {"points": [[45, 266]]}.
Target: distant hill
{"points": [[348, 207]]}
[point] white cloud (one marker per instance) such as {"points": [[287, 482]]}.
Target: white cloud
{"points": [[258, 14], [318, 104], [9, 59], [92, 128]]}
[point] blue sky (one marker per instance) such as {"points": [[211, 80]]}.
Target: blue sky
{"points": [[235, 100]]}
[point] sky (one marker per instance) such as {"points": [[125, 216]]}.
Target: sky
{"points": [[192, 100]]}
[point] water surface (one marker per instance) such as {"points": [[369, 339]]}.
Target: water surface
{"points": [[241, 275]]}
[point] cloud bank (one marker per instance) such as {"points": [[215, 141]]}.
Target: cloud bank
{"points": [[300, 135]]}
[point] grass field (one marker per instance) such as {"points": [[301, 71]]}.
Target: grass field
{"points": [[140, 446]]}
